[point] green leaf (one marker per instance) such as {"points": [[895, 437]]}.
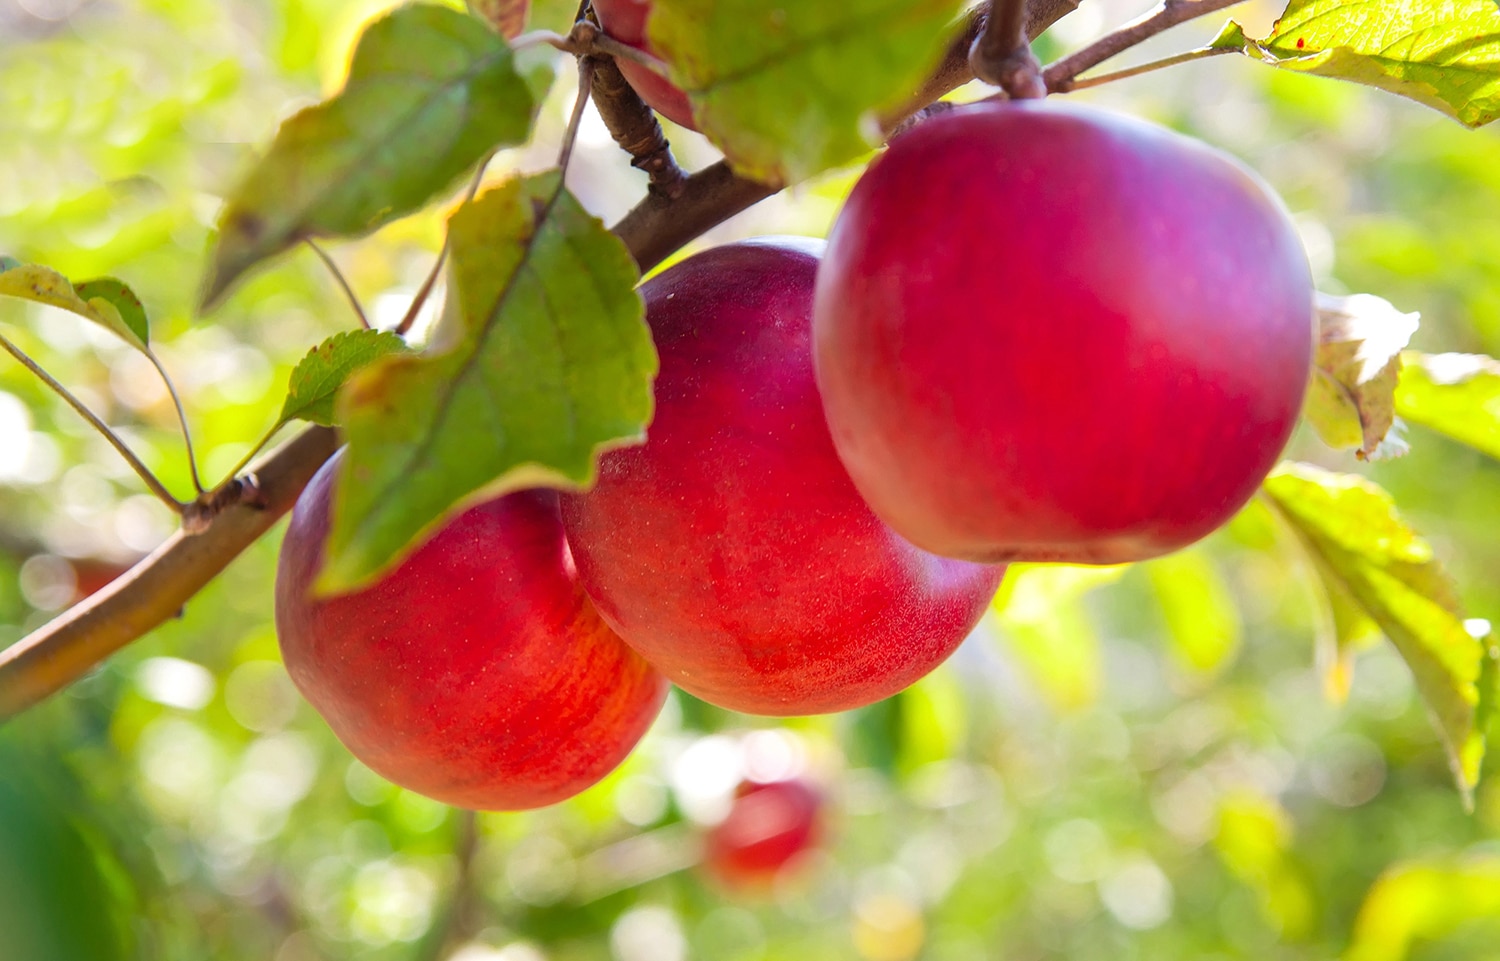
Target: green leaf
{"points": [[1423, 901], [119, 296], [97, 300], [1457, 395], [1351, 402], [430, 92], [787, 90], [542, 361], [1353, 532], [1445, 55], [316, 380]]}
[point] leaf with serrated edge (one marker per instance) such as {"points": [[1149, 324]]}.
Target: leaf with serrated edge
{"points": [[430, 91], [316, 379], [786, 90], [1351, 402], [1457, 395], [43, 285], [506, 16], [1445, 55], [1352, 531], [542, 361]]}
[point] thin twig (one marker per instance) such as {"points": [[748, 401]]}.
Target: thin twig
{"points": [[343, 283], [423, 292], [1001, 54], [580, 104], [1202, 53], [1061, 74], [144, 472], [187, 435]]}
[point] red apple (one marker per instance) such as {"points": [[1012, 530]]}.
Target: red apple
{"points": [[731, 550], [1049, 333], [768, 827], [476, 672], [625, 20]]}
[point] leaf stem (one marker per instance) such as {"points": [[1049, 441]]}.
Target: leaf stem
{"points": [[135, 463], [343, 282], [1061, 75], [425, 291], [187, 435], [1201, 53], [580, 104]]}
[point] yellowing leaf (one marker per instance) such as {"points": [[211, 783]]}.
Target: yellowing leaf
{"points": [[1351, 402], [508, 17], [94, 300], [1351, 529]]}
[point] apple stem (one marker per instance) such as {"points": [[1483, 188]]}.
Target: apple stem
{"points": [[1001, 54], [1061, 74]]}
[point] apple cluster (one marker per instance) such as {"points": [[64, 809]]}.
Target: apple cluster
{"points": [[1036, 333]]}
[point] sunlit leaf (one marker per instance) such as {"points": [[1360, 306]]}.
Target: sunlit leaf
{"points": [[1254, 840], [317, 378], [1203, 622], [787, 90], [1457, 395], [542, 361], [1445, 55], [1424, 901], [430, 92], [1351, 529], [1351, 401], [1046, 629], [97, 300]]}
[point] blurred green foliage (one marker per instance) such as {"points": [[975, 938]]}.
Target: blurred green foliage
{"points": [[1135, 763]]}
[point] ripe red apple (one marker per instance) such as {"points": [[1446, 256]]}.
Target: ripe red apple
{"points": [[1049, 333], [768, 827], [476, 672], [731, 549], [625, 20]]}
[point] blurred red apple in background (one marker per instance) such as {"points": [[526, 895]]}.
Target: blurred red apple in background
{"points": [[770, 826]]}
